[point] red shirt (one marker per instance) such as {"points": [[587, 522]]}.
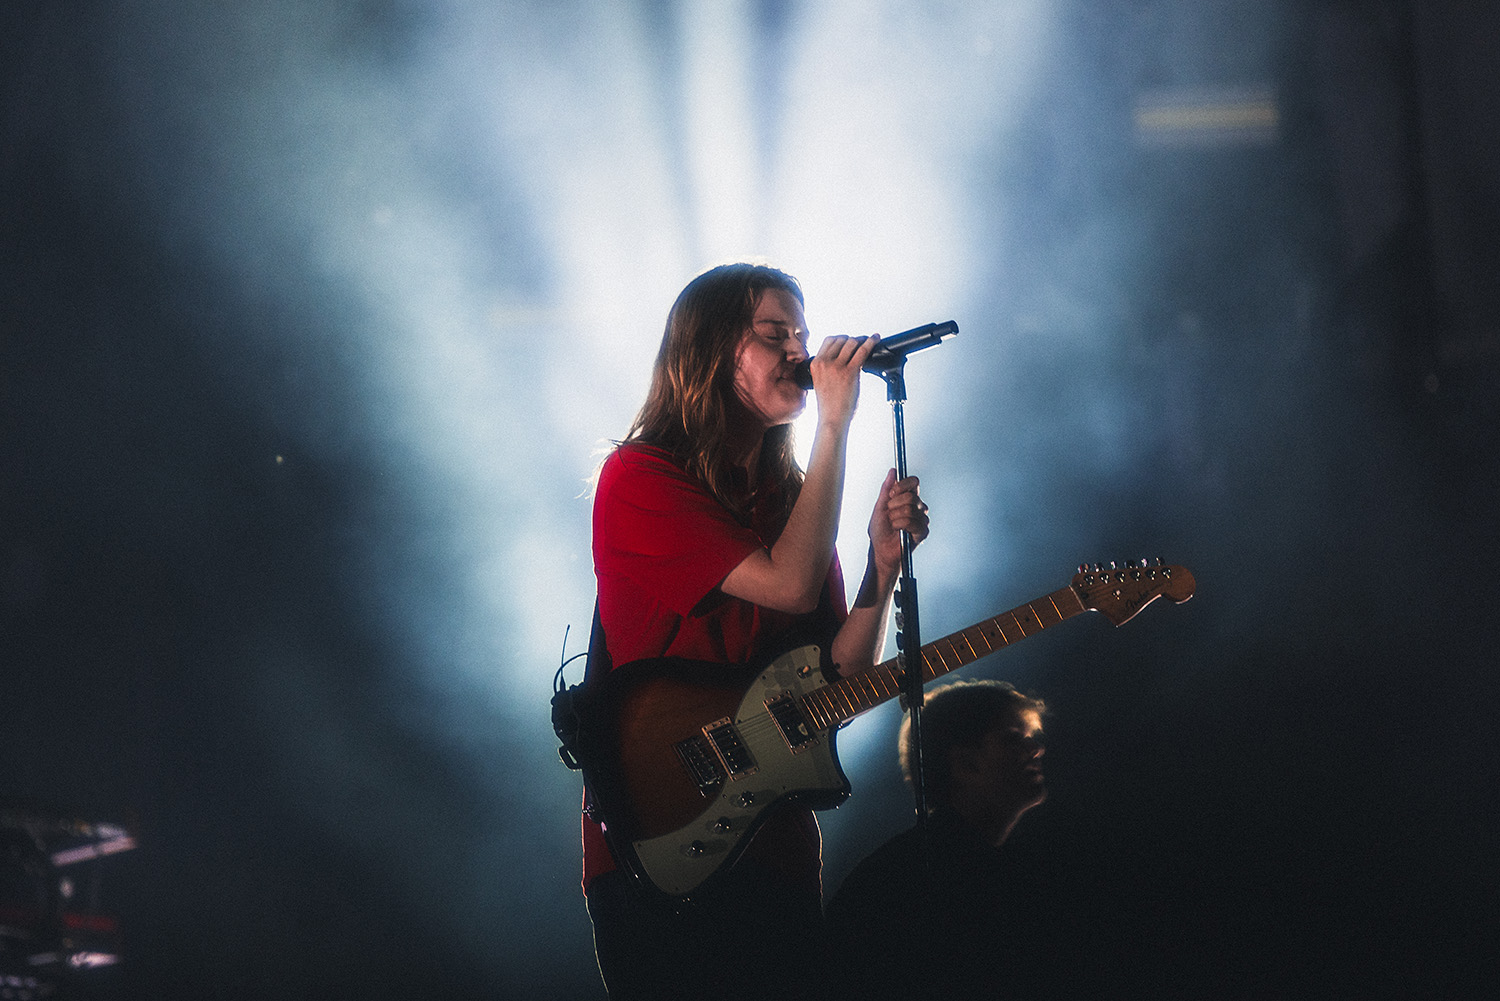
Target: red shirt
{"points": [[662, 546]]}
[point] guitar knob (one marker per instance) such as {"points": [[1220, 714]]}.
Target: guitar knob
{"points": [[747, 799], [722, 825], [696, 849]]}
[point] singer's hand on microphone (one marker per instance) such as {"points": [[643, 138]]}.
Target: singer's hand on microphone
{"points": [[835, 374]]}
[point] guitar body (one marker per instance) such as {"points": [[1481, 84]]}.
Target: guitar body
{"points": [[704, 751], [684, 758]]}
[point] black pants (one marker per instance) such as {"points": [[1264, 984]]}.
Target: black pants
{"points": [[757, 936]]}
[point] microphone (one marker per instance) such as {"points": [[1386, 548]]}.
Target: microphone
{"points": [[892, 351]]}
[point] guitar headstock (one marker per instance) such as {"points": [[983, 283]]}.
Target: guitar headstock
{"points": [[1119, 592]]}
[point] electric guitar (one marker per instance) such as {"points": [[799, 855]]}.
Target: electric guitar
{"points": [[702, 751]]}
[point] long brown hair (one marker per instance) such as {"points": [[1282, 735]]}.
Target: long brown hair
{"points": [[689, 408]]}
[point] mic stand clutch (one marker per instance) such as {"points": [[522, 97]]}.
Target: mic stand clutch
{"points": [[908, 617], [909, 656], [908, 620]]}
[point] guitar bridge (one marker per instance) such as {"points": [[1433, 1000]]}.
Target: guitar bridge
{"points": [[702, 766], [732, 751]]}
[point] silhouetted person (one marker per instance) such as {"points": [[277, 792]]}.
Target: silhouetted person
{"points": [[971, 907]]}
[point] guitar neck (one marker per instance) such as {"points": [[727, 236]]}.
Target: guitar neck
{"points": [[848, 697]]}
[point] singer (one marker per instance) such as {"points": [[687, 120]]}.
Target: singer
{"points": [[710, 543]]}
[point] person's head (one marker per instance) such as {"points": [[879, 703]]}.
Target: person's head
{"points": [[981, 752], [732, 340]]}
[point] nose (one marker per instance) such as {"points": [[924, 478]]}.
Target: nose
{"points": [[796, 350]]}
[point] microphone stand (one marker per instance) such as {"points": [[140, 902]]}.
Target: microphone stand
{"points": [[908, 620]]}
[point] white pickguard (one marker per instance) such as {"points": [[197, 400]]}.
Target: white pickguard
{"points": [[679, 862]]}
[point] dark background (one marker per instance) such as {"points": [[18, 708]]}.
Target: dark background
{"points": [[1284, 789]]}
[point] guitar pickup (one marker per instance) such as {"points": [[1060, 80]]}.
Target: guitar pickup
{"points": [[732, 751], [702, 765], [791, 722]]}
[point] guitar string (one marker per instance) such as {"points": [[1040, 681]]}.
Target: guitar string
{"points": [[826, 705], [883, 683], [841, 700]]}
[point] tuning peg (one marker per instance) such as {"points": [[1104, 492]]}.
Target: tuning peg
{"points": [[1083, 568], [1113, 565]]}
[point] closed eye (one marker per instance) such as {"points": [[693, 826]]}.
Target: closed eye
{"points": [[775, 333]]}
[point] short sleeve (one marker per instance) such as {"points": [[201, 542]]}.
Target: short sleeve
{"points": [[663, 532], [660, 530]]}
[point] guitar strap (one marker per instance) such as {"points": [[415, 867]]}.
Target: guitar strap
{"points": [[569, 709], [598, 662], [597, 665], [583, 722], [585, 718]]}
